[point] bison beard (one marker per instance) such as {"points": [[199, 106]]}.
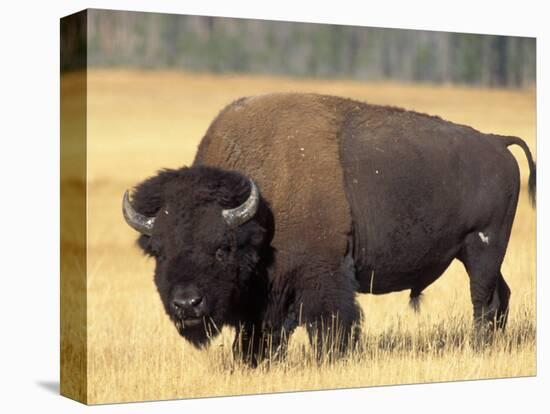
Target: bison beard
{"points": [[354, 198]]}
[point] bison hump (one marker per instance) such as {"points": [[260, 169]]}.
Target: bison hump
{"points": [[288, 143]]}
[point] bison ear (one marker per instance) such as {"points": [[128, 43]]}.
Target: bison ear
{"points": [[251, 234], [144, 243]]}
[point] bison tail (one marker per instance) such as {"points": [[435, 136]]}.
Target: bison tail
{"points": [[532, 183]]}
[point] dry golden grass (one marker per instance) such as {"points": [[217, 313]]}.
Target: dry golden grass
{"points": [[139, 122]]}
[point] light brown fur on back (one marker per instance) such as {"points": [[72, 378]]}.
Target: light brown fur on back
{"points": [[289, 144]]}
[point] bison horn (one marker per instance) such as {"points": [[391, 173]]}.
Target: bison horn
{"points": [[241, 214], [136, 220]]}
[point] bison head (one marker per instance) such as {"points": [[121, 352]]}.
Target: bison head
{"points": [[203, 226]]}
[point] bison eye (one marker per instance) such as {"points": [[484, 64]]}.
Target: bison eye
{"points": [[220, 254]]}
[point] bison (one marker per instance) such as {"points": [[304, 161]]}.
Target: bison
{"points": [[296, 202]]}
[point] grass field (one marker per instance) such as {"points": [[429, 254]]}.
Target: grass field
{"points": [[140, 121]]}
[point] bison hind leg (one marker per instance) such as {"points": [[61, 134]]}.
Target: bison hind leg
{"points": [[490, 293], [325, 296]]}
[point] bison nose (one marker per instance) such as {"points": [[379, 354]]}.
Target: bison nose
{"points": [[187, 304]]}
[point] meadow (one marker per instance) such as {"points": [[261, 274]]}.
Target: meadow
{"points": [[141, 121]]}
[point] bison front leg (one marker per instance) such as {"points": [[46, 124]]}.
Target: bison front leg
{"points": [[326, 298], [331, 338], [255, 344], [247, 345]]}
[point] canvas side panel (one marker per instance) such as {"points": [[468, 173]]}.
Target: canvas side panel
{"points": [[73, 97]]}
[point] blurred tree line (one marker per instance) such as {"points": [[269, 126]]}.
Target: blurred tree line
{"points": [[218, 44]]}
